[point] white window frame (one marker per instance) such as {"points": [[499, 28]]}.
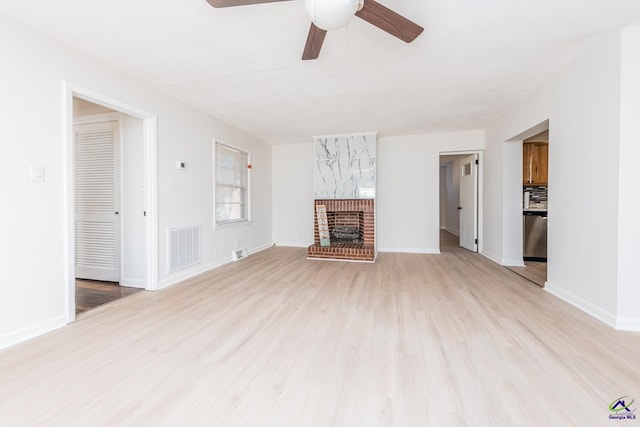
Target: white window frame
{"points": [[238, 222]]}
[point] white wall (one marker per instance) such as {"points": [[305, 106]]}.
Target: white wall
{"points": [[628, 222], [407, 190], [582, 104], [33, 256], [293, 194]]}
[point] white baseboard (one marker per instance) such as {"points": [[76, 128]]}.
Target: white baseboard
{"points": [[294, 245], [493, 258], [261, 248], [133, 283], [628, 324], [513, 262], [32, 331], [589, 308], [411, 250], [503, 262], [181, 276], [452, 231]]}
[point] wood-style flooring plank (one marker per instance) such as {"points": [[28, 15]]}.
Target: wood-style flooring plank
{"points": [[278, 340], [91, 294], [535, 271]]}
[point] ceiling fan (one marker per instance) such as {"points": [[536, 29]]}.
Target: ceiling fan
{"points": [[333, 14]]}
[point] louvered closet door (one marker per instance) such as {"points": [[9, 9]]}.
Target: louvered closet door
{"points": [[97, 201]]}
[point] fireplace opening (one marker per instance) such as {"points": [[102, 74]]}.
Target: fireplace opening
{"points": [[346, 227], [345, 234]]}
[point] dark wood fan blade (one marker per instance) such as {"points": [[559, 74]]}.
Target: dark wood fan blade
{"points": [[389, 21], [230, 3], [314, 42]]}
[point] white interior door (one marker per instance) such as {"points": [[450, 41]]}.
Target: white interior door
{"points": [[97, 172], [468, 206]]}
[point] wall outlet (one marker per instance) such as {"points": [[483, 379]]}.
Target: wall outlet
{"points": [[181, 165]]}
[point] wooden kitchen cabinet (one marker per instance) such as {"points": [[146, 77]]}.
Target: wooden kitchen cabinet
{"points": [[535, 161]]}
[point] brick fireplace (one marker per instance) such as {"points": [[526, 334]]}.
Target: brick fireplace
{"points": [[352, 229]]}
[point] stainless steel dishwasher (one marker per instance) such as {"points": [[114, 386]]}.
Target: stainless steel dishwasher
{"points": [[535, 235]]}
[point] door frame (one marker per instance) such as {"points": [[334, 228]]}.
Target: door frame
{"points": [[479, 191], [150, 148], [512, 240]]}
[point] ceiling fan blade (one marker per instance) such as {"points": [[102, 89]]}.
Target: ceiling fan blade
{"points": [[314, 42], [230, 3], [389, 21]]}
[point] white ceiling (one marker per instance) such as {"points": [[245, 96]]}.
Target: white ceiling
{"points": [[474, 61]]}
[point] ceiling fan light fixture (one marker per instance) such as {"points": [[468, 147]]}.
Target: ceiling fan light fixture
{"points": [[331, 14]]}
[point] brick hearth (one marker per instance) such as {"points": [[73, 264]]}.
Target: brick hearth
{"points": [[351, 212]]}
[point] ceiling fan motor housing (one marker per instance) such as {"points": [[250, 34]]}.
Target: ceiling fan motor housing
{"points": [[332, 14]]}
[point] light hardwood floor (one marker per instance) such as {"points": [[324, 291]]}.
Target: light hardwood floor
{"points": [[278, 340], [535, 271]]}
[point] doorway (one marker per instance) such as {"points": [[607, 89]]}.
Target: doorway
{"points": [[109, 204], [134, 205], [460, 211], [527, 203]]}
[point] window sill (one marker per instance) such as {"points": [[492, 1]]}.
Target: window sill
{"points": [[231, 224]]}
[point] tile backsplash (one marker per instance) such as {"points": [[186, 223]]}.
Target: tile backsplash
{"points": [[537, 196]]}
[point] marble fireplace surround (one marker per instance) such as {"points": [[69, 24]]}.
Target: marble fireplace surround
{"points": [[347, 212], [345, 166]]}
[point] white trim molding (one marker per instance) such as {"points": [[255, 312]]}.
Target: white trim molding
{"points": [[132, 283], [150, 138], [32, 331], [628, 324], [513, 262], [492, 257], [451, 230], [293, 244], [589, 308]]}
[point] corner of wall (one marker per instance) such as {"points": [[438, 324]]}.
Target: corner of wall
{"points": [[628, 324]]}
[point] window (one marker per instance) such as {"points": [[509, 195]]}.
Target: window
{"points": [[231, 184]]}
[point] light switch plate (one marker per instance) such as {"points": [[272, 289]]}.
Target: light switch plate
{"points": [[37, 173]]}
